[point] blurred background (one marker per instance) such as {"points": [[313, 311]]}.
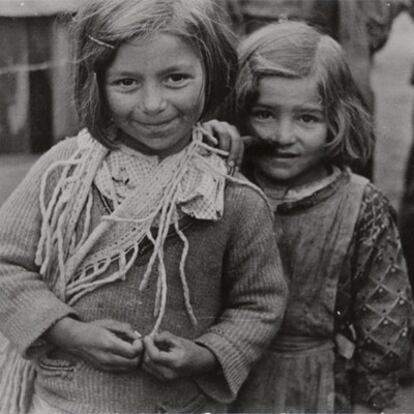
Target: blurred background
{"points": [[36, 108], [390, 80]]}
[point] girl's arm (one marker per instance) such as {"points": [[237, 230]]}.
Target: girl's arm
{"points": [[27, 306], [31, 315], [255, 293], [382, 303]]}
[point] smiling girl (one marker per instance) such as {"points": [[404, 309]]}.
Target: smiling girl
{"points": [[166, 77], [345, 334], [132, 277]]}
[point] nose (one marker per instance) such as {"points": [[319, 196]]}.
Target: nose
{"points": [[152, 100], [284, 133]]}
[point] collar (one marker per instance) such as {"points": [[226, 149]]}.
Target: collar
{"points": [[199, 194]]}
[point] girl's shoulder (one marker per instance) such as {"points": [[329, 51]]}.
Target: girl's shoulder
{"points": [[59, 153], [374, 201], [66, 147], [245, 198], [376, 213], [241, 190], [374, 197]]}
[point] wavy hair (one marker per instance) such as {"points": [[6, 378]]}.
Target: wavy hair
{"points": [[101, 26], [297, 50]]}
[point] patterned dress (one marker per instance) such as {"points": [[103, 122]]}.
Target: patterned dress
{"points": [[345, 333]]}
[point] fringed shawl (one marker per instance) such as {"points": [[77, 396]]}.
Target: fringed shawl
{"points": [[74, 259]]}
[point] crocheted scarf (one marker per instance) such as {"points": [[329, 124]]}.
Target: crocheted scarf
{"points": [[74, 259], [75, 263]]}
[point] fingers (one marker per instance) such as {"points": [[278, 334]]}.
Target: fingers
{"points": [[138, 347], [107, 344], [119, 338], [117, 363], [225, 134], [229, 140], [236, 150], [207, 126], [113, 344], [221, 130], [151, 358], [219, 133], [113, 325], [163, 355], [121, 329], [161, 348]]}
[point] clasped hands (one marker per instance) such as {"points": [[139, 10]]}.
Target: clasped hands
{"points": [[115, 346]]}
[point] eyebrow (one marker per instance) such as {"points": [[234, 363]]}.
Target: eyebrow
{"points": [[306, 107], [173, 68], [311, 108], [178, 68]]}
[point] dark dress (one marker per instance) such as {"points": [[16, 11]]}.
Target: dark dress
{"points": [[345, 331]]}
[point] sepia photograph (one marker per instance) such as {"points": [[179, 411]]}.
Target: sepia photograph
{"points": [[206, 206]]}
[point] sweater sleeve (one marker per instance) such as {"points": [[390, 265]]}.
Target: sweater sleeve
{"points": [[382, 305], [27, 306], [256, 294]]}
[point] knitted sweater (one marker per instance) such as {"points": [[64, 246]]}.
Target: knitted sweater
{"points": [[235, 282]]}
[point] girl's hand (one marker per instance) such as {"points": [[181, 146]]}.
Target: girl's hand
{"points": [[227, 138], [107, 344], [168, 357]]}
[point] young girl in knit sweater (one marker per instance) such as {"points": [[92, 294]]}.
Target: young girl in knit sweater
{"points": [[132, 275], [345, 334]]}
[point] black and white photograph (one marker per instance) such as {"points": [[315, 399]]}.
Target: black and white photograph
{"points": [[206, 206]]}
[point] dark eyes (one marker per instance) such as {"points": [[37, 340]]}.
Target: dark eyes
{"points": [[261, 115], [309, 119], [126, 82], [176, 79], [264, 115]]}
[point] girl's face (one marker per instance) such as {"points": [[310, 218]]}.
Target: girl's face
{"points": [[155, 91], [289, 119]]}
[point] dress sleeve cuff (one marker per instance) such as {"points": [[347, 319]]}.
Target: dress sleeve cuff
{"points": [[376, 391], [224, 384], [30, 343]]}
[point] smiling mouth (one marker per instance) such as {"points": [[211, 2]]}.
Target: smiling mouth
{"points": [[155, 124], [284, 155]]}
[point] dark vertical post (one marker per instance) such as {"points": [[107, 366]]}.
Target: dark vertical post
{"points": [[40, 98]]}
